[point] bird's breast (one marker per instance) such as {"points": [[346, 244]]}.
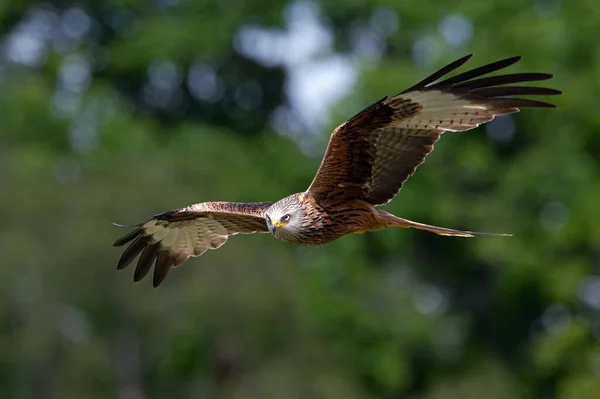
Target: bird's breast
{"points": [[328, 223]]}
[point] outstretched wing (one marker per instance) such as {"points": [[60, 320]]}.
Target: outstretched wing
{"points": [[170, 238], [372, 154]]}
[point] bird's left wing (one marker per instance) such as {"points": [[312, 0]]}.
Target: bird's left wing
{"points": [[371, 155], [169, 239]]}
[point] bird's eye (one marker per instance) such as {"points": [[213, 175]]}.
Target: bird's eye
{"points": [[285, 218], [268, 219]]}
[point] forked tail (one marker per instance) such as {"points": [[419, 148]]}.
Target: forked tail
{"points": [[395, 221]]}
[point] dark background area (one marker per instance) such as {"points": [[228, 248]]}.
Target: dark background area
{"points": [[118, 110]]}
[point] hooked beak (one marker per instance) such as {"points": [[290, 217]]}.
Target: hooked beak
{"points": [[277, 224], [274, 225]]}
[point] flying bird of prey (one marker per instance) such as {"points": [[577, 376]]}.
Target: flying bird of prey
{"points": [[368, 159]]}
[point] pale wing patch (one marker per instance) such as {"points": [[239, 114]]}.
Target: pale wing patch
{"points": [[445, 111], [186, 238]]}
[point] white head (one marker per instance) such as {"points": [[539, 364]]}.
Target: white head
{"points": [[286, 218]]}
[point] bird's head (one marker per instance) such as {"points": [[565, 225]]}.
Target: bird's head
{"points": [[285, 218]]}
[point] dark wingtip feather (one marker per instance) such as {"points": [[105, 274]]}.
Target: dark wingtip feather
{"points": [[131, 252], [511, 60], [519, 103], [161, 268], [502, 91], [145, 262], [545, 76], [126, 238], [438, 74], [473, 73], [501, 80]]}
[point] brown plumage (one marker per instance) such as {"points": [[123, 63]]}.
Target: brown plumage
{"points": [[368, 159]]}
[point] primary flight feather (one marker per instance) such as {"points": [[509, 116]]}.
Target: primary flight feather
{"points": [[368, 159]]}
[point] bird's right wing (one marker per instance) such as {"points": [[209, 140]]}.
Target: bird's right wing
{"points": [[170, 238], [370, 156]]}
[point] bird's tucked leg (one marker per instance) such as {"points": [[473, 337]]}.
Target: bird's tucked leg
{"points": [[395, 221]]}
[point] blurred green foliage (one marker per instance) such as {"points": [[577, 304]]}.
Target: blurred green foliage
{"points": [[88, 137]]}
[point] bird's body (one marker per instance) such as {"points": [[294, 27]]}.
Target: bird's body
{"points": [[368, 159], [322, 223]]}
